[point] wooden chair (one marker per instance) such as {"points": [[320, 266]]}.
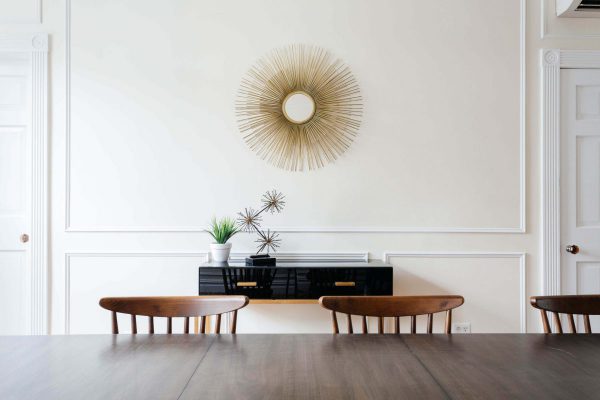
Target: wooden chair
{"points": [[171, 307], [584, 305], [391, 306]]}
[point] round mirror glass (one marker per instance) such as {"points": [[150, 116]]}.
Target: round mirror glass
{"points": [[298, 107]]}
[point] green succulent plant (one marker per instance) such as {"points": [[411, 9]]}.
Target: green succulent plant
{"points": [[223, 229]]}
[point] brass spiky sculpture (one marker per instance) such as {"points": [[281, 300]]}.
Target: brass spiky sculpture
{"points": [[249, 220]]}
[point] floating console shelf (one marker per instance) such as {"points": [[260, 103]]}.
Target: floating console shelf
{"points": [[296, 282]]}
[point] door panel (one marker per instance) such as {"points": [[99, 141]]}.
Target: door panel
{"points": [[13, 304], [580, 182], [15, 192]]}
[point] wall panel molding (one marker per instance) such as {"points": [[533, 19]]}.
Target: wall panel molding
{"points": [[34, 18], [205, 255], [70, 256], [521, 228], [478, 254]]}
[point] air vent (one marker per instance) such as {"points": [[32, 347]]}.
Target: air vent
{"points": [[578, 8]]}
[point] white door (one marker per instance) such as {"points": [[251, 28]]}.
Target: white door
{"points": [[15, 148], [580, 183]]}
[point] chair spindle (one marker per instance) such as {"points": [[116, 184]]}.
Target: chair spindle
{"points": [[115, 324], [234, 322], [336, 328], [365, 329], [350, 328], [203, 324], [572, 324], [559, 328], [586, 323], [545, 322], [448, 328]]}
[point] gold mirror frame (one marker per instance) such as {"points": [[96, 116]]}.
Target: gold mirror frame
{"points": [[290, 118], [274, 136]]}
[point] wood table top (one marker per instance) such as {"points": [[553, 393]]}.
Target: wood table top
{"points": [[300, 367]]}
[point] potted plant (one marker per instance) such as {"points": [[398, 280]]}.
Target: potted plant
{"points": [[222, 230]]}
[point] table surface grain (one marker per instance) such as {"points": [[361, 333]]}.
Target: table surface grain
{"points": [[300, 367]]}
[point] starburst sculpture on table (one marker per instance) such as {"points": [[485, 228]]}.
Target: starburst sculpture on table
{"points": [[269, 240], [249, 220], [273, 201]]}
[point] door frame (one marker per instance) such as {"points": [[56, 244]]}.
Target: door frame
{"points": [[552, 61], [36, 44]]}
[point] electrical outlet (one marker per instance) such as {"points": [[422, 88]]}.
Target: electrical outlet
{"points": [[461, 327]]}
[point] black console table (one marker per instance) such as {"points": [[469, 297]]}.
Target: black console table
{"points": [[296, 282]]}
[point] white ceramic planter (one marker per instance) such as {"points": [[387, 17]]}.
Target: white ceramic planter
{"points": [[220, 252]]}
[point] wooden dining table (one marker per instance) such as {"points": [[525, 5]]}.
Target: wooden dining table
{"points": [[303, 366]]}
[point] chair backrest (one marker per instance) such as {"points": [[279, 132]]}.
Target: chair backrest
{"points": [[170, 307], [584, 305], [391, 306]]}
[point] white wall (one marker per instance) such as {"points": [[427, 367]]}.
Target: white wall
{"points": [[440, 177]]}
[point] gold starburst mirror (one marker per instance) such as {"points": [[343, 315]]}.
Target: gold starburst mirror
{"points": [[299, 107]]}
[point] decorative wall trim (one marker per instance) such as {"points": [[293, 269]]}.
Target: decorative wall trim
{"points": [[36, 18], [551, 171], [69, 256], [552, 60], [362, 256], [521, 228], [298, 256], [39, 193], [478, 254], [37, 46], [545, 34]]}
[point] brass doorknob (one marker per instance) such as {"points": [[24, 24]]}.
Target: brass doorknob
{"points": [[573, 249], [24, 238]]}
